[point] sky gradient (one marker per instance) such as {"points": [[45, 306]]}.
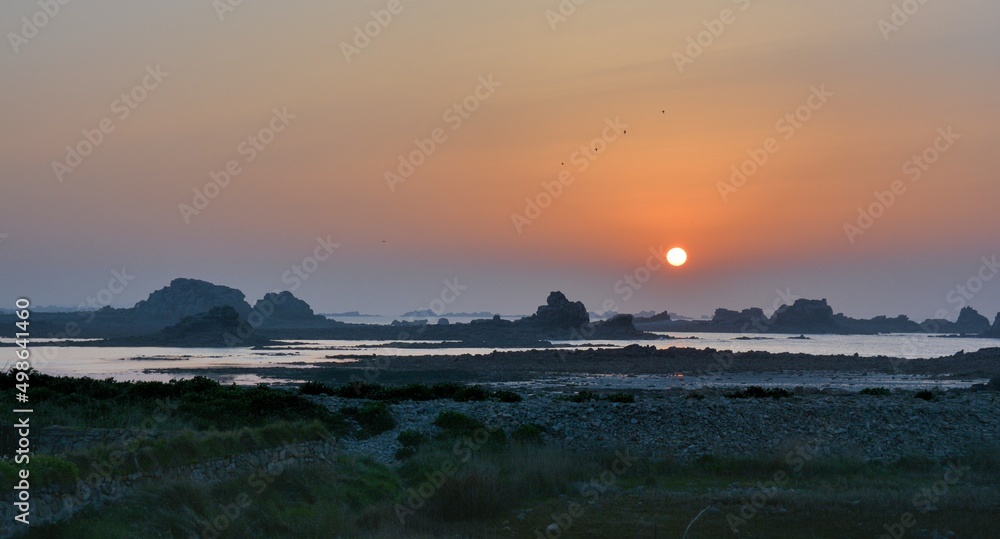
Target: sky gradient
{"points": [[556, 85]]}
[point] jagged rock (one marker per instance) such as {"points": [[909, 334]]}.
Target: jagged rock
{"points": [[805, 316], [661, 317], [879, 324], [970, 321], [751, 320], [559, 313], [187, 297], [617, 327], [284, 309], [995, 330]]}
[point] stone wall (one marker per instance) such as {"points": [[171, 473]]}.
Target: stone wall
{"points": [[54, 504], [62, 440]]}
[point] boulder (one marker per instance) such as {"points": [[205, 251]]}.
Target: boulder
{"points": [[283, 309], [751, 320], [805, 316], [970, 321], [559, 313], [187, 297]]}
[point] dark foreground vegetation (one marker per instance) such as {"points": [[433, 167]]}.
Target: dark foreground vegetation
{"points": [[511, 488], [470, 480]]}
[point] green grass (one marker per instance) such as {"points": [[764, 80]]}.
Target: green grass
{"points": [[43, 471], [350, 499], [197, 403], [489, 486], [529, 433], [373, 418], [188, 447], [411, 392]]}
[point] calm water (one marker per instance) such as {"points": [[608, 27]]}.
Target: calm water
{"points": [[136, 363]]}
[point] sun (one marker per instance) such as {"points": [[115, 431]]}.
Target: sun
{"points": [[677, 256]]}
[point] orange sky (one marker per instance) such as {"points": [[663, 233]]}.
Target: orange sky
{"points": [[324, 174]]}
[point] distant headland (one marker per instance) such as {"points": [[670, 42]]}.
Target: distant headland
{"points": [[192, 312]]}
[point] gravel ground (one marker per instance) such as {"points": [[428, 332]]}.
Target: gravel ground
{"points": [[667, 424]]}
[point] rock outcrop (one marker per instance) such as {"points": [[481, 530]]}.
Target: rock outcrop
{"points": [[284, 310], [751, 320], [970, 321], [558, 313], [879, 324], [216, 328], [619, 326], [187, 297], [805, 316], [995, 330]]}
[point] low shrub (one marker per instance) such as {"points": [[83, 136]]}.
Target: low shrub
{"points": [[457, 423], [584, 396], [411, 392], [315, 388], [411, 438], [876, 391], [620, 397], [505, 395], [757, 392], [925, 394], [373, 418], [471, 394], [529, 433]]}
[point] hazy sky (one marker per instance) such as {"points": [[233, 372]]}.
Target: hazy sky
{"points": [[534, 89]]}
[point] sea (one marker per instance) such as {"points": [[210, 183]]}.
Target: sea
{"points": [[242, 364]]}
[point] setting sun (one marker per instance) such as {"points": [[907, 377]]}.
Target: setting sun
{"points": [[677, 256]]}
